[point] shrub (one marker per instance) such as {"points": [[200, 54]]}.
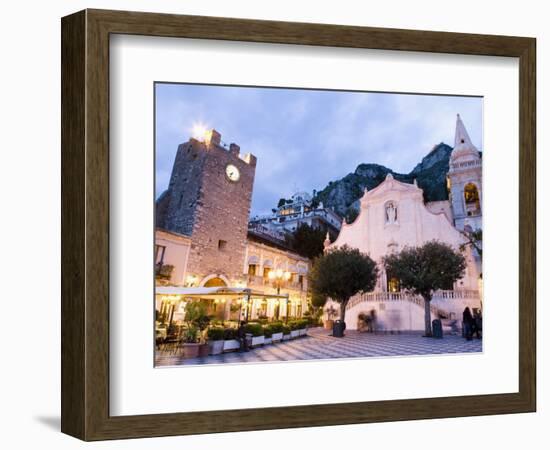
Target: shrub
{"points": [[255, 329], [216, 333], [229, 334], [285, 329], [191, 335], [268, 331]]}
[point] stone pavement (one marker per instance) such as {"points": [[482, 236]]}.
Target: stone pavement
{"points": [[319, 345]]}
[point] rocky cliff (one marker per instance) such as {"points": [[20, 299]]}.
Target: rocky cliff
{"points": [[343, 195]]}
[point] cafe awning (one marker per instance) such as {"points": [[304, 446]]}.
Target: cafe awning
{"points": [[214, 292]]}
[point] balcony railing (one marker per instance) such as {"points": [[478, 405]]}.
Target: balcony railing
{"points": [[256, 280]]}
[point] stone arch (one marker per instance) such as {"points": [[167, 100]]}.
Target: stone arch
{"points": [[471, 199], [214, 280]]}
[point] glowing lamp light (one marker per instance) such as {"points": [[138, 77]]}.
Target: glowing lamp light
{"points": [[199, 131]]}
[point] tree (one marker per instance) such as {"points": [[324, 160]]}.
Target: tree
{"points": [[425, 269], [474, 239], [341, 273], [351, 214], [307, 241]]}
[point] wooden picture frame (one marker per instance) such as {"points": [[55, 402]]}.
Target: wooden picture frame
{"points": [[85, 224]]}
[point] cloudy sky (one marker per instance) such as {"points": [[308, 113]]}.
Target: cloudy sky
{"points": [[305, 138]]}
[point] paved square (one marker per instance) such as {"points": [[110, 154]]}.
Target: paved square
{"points": [[319, 345]]}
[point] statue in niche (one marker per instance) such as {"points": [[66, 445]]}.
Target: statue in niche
{"points": [[391, 213]]}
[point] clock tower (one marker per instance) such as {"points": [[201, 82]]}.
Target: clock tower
{"points": [[208, 199]]}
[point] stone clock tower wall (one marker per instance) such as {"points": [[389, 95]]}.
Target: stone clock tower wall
{"points": [[203, 203]]}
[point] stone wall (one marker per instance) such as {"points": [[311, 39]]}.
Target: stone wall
{"points": [[201, 202]]}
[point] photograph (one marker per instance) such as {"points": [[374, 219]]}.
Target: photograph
{"points": [[298, 224]]}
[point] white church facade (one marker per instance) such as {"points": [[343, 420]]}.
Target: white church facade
{"points": [[394, 216]]}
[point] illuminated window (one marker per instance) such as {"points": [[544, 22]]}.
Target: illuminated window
{"points": [[471, 199], [393, 284], [252, 269]]}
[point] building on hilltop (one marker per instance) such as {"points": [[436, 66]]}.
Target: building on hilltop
{"points": [[299, 209]]}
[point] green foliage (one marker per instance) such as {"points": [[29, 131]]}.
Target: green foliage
{"points": [[276, 327], [191, 335], [229, 334], [424, 269], [351, 214], [307, 241], [298, 324], [268, 331], [474, 238], [285, 329], [256, 329], [195, 314], [318, 300], [215, 333], [341, 273]]}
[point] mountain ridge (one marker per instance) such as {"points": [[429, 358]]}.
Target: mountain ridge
{"points": [[430, 173]]}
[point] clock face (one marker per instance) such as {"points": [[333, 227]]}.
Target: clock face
{"points": [[232, 173]]}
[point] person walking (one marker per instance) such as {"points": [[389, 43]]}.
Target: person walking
{"points": [[477, 319], [467, 323], [241, 333]]}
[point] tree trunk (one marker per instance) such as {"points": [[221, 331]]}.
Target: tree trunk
{"points": [[427, 316], [343, 310]]}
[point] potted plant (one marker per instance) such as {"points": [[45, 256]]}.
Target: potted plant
{"points": [[230, 341], [277, 331], [215, 340], [196, 317], [294, 331], [190, 342], [286, 332], [257, 332], [302, 326], [268, 334]]}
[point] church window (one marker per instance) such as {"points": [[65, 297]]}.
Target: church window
{"points": [[222, 245], [471, 199]]}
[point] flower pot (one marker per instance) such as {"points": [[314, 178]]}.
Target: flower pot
{"points": [[257, 340], [230, 345], [286, 337], [329, 323], [216, 347], [303, 331], [294, 334], [277, 337], [268, 340], [204, 350], [191, 350]]}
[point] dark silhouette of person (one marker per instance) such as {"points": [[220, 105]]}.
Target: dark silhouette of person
{"points": [[467, 323], [373, 324], [477, 324], [241, 333]]}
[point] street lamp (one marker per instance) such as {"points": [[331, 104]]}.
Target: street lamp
{"points": [[278, 277]]}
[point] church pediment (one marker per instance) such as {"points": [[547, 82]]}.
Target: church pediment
{"points": [[389, 188]]}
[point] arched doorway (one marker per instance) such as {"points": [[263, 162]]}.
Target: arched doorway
{"points": [[215, 282], [471, 199]]}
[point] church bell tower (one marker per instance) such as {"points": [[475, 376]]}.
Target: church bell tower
{"points": [[464, 180]]}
